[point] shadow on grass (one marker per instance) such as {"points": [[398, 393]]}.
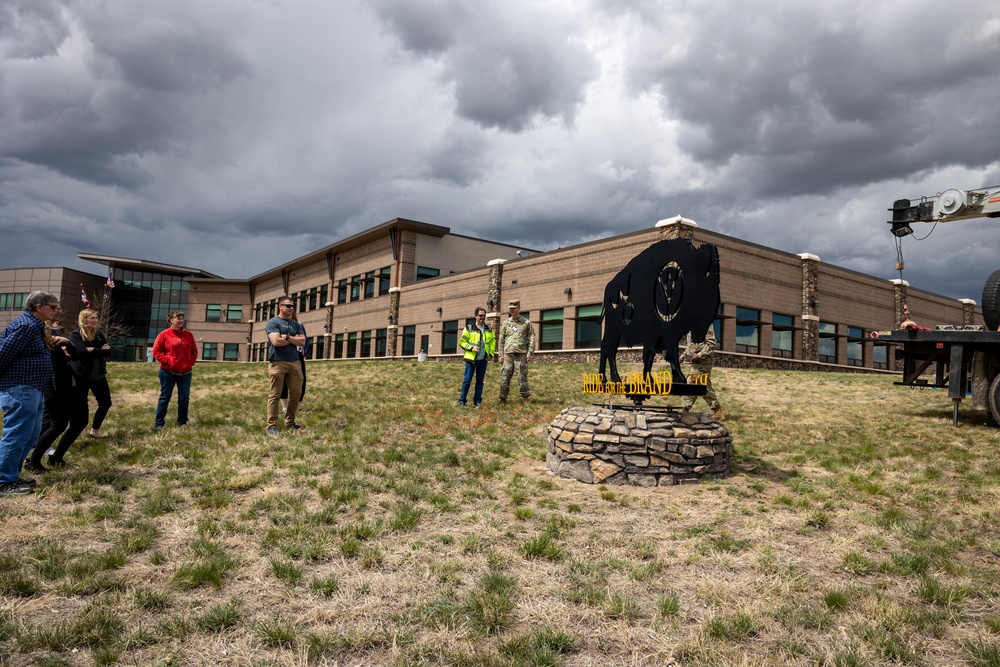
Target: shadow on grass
{"points": [[753, 466], [966, 416]]}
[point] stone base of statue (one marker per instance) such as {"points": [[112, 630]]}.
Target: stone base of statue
{"points": [[604, 445]]}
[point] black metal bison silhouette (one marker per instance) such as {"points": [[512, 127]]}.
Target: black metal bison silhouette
{"points": [[665, 291]]}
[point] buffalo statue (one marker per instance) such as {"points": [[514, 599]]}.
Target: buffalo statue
{"points": [[665, 291]]}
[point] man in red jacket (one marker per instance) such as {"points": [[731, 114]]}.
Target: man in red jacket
{"points": [[177, 353]]}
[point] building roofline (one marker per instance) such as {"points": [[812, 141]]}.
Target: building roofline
{"points": [[144, 264], [360, 238], [199, 280], [500, 243]]}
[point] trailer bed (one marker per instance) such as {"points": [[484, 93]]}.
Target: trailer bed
{"points": [[954, 354]]}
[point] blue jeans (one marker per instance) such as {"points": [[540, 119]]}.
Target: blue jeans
{"points": [[480, 369], [23, 407], [168, 381]]}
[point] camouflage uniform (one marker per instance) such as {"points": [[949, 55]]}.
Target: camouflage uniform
{"points": [[515, 341], [703, 366]]}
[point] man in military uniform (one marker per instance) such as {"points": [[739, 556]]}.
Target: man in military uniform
{"points": [[516, 343], [700, 357]]}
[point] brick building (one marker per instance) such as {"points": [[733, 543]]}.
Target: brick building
{"points": [[406, 287], [67, 284], [398, 289]]}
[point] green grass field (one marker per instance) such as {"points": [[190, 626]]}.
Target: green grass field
{"points": [[858, 528]]}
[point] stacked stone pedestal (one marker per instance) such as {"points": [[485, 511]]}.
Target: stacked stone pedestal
{"points": [[640, 447]]}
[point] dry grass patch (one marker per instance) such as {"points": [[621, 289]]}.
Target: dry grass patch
{"points": [[858, 528]]}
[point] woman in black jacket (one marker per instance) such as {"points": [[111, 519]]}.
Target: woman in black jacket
{"points": [[93, 349], [58, 404]]}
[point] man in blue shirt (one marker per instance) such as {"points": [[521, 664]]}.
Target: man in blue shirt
{"points": [[26, 376], [283, 335]]}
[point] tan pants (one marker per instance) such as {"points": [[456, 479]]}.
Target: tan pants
{"points": [[279, 371]]}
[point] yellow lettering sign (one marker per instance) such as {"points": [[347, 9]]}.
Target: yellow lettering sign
{"points": [[659, 383]]}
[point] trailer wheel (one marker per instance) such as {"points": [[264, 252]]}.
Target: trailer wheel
{"points": [[994, 400], [991, 301]]}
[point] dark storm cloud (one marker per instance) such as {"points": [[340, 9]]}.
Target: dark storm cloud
{"points": [[31, 28], [126, 98], [809, 98], [426, 27], [236, 135], [461, 158], [167, 51], [508, 65]]}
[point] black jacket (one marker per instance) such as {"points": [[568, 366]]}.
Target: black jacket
{"points": [[91, 365], [63, 356]]}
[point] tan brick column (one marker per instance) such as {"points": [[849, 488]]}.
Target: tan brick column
{"points": [[328, 330], [494, 293], [810, 306], [676, 228], [390, 333], [968, 311], [898, 300]]}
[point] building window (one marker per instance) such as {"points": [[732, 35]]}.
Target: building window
{"points": [[342, 291], [366, 344], [425, 272], [213, 312], [231, 352], [409, 340], [855, 346], [209, 351], [551, 329], [313, 296], [369, 284], [316, 351], [324, 293], [383, 280], [355, 288], [449, 337], [880, 356], [747, 330], [338, 346], [380, 339], [588, 326], [352, 345], [781, 335], [234, 313], [828, 342], [13, 300]]}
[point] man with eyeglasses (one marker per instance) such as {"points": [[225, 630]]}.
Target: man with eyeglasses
{"points": [[26, 377], [479, 343], [283, 337]]}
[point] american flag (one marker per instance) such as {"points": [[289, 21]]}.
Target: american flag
{"points": [[83, 297], [111, 281]]}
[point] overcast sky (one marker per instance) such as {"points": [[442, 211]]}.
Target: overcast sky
{"points": [[233, 135]]}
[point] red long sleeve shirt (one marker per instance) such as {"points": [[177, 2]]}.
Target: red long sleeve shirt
{"points": [[176, 351]]}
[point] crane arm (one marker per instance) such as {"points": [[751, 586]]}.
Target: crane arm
{"points": [[947, 206]]}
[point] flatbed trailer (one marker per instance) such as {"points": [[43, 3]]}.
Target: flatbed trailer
{"points": [[964, 360]]}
